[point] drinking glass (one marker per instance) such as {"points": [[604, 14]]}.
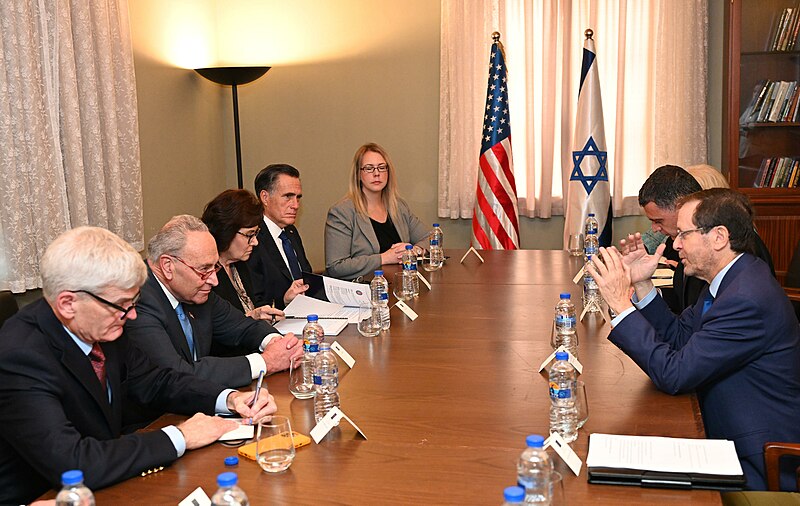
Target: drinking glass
{"points": [[397, 287], [369, 321], [274, 444], [557, 496], [575, 245], [581, 403], [300, 381]]}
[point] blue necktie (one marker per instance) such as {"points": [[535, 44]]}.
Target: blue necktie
{"points": [[291, 256], [707, 303], [187, 329]]}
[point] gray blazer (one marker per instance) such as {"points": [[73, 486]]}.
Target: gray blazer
{"points": [[351, 246]]}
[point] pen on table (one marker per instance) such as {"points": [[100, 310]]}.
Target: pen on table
{"points": [[321, 317]]}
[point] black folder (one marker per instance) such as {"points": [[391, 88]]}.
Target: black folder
{"points": [[656, 479]]}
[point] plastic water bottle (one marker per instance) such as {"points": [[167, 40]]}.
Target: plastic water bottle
{"points": [[326, 381], [313, 337], [513, 495], [591, 243], [74, 492], [228, 494], [410, 279], [379, 288], [563, 413], [435, 249], [592, 299], [565, 325], [533, 471]]}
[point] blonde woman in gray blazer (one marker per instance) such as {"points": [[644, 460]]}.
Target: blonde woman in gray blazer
{"points": [[371, 226]]}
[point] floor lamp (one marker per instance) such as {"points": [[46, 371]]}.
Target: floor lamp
{"points": [[234, 76]]}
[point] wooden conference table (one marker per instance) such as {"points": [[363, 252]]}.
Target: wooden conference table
{"points": [[447, 400]]}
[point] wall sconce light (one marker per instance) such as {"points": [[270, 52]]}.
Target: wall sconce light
{"points": [[234, 76]]}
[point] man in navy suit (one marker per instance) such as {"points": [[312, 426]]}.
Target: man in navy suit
{"points": [[277, 263], [737, 347], [67, 370]]}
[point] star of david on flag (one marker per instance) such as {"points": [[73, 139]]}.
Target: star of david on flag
{"points": [[588, 189]]}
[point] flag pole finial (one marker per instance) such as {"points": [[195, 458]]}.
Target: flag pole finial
{"points": [[495, 37], [588, 33]]}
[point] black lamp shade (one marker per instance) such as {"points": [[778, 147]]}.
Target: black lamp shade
{"points": [[232, 75]]}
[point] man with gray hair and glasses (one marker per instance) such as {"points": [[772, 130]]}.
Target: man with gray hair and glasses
{"points": [[67, 370], [182, 324]]}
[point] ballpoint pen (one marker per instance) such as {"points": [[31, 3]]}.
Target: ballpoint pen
{"points": [[258, 387], [273, 307]]}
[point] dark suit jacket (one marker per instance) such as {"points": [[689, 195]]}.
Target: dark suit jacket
{"points": [[742, 358], [686, 289], [158, 333], [226, 290], [271, 278], [56, 416]]}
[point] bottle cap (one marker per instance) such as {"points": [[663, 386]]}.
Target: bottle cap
{"points": [[435, 224], [562, 355], [565, 296], [324, 346], [312, 318], [232, 461], [72, 477], [534, 441], [591, 214], [379, 272], [514, 494], [227, 479], [409, 247]]}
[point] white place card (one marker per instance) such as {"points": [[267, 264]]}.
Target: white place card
{"points": [[402, 306], [329, 421], [578, 279], [567, 454], [198, 497], [472, 250], [339, 349], [572, 360], [424, 281]]}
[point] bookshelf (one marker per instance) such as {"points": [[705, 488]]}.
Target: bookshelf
{"points": [[761, 121]]}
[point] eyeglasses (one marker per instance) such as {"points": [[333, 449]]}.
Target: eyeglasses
{"points": [[369, 169], [250, 236], [204, 275], [681, 235], [108, 303]]}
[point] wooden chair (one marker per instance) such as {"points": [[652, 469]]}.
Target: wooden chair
{"points": [[772, 454]]}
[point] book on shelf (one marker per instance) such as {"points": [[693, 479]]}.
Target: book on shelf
{"points": [[772, 102], [778, 172], [785, 30]]}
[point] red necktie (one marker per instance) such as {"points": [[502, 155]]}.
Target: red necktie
{"points": [[98, 359]]}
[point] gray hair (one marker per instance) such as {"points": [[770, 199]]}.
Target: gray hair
{"points": [[171, 239], [91, 259]]}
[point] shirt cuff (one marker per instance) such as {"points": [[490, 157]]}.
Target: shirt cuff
{"points": [[221, 407], [266, 341], [257, 365], [176, 436], [618, 319], [640, 304]]}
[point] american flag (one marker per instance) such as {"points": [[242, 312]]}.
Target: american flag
{"points": [[494, 218]]}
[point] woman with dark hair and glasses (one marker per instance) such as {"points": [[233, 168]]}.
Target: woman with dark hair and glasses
{"points": [[233, 218], [372, 225]]}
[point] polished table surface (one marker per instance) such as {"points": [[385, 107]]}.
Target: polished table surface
{"points": [[447, 400]]}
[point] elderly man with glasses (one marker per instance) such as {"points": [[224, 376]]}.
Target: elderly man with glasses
{"points": [[68, 370], [182, 324]]}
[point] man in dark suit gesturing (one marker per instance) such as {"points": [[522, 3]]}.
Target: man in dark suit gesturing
{"points": [[67, 369], [182, 324], [737, 347], [279, 260]]}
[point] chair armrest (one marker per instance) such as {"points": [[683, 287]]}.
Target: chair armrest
{"points": [[792, 293], [772, 453]]}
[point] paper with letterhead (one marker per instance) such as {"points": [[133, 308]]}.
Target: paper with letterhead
{"points": [[198, 497], [572, 360], [565, 451], [339, 349], [303, 306], [664, 454], [402, 306], [329, 421]]}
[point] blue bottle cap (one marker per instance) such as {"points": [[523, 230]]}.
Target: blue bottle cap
{"points": [[534, 441], [435, 224], [312, 318], [409, 247], [379, 272], [514, 494], [227, 479], [324, 346], [232, 461], [562, 355], [591, 214], [565, 296], [72, 477]]}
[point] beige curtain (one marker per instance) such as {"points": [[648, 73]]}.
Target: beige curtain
{"points": [[68, 128], [651, 57]]}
